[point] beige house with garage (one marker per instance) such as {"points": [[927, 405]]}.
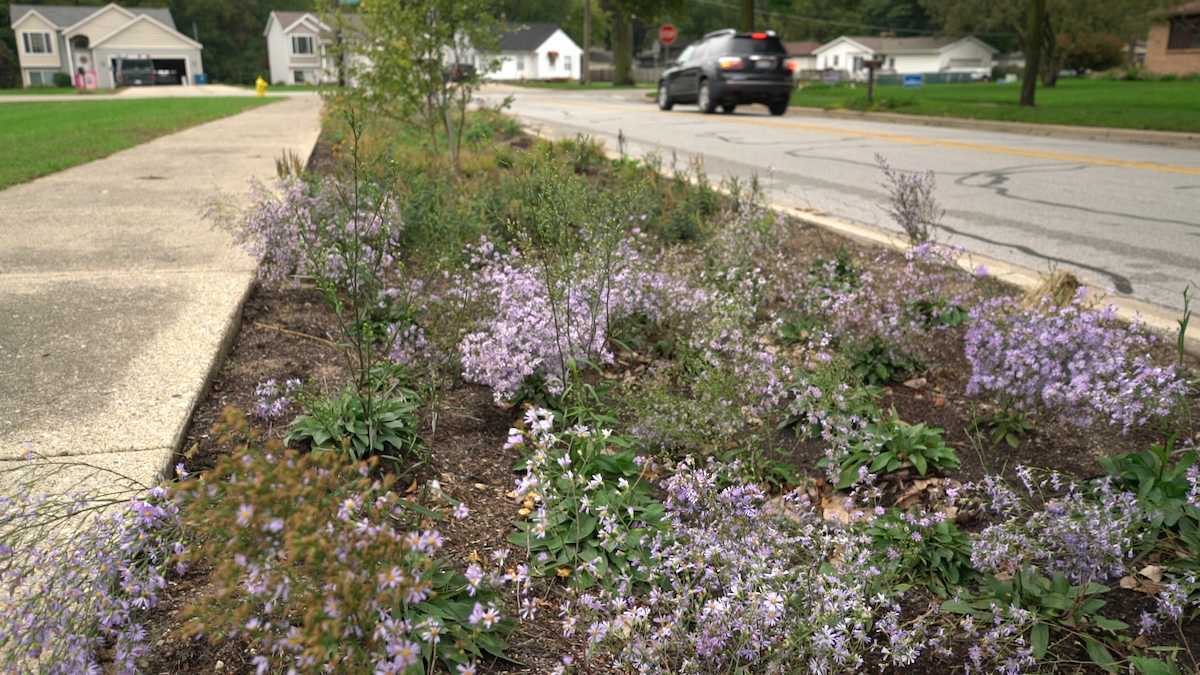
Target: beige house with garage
{"points": [[86, 43], [299, 48]]}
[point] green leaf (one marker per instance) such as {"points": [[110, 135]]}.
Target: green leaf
{"points": [[1110, 624], [919, 462], [1040, 638], [1148, 666], [956, 607], [1099, 654]]}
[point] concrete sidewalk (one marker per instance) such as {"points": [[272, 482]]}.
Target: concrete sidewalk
{"points": [[116, 298]]}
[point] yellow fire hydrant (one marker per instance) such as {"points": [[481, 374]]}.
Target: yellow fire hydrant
{"points": [[261, 87]]}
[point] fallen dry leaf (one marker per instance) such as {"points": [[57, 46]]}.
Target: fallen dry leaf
{"points": [[915, 383], [939, 401]]}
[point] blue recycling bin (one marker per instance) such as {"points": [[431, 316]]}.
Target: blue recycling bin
{"points": [[201, 78]]}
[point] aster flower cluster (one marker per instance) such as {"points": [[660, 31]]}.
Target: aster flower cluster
{"points": [[76, 573], [314, 565], [345, 233], [545, 319], [590, 510], [1075, 362], [1053, 525], [737, 589], [273, 399], [885, 317]]}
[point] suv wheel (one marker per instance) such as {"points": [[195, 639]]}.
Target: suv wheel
{"points": [[705, 100], [664, 97], [728, 108], [778, 108]]}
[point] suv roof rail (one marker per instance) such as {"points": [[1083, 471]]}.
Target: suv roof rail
{"points": [[723, 31]]}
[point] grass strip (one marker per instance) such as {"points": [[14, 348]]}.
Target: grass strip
{"points": [[1164, 106]]}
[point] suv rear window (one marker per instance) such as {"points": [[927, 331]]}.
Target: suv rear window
{"points": [[747, 45], [136, 64]]}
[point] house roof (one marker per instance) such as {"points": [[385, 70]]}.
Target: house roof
{"points": [[63, 17], [526, 36], [899, 45], [288, 19], [146, 18], [804, 48]]}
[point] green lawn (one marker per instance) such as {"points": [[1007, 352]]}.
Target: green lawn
{"points": [[577, 85], [1168, 106], [41, 138]]}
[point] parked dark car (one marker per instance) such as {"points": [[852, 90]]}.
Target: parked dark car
{"points": [[135, 72], [727, 69]]}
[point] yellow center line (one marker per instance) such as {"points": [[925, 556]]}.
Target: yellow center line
{"points": [[916, 140]]}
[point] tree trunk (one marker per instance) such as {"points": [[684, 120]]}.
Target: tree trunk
{"points": [[1051, 58], [623, 41], [747, 16], [585, 73], [1033, 51]]}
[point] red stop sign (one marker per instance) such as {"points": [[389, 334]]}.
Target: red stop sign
{"points": [[666, 34]]}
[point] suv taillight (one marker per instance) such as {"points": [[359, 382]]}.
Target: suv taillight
{"points": [[728, 62], [759, 36]]}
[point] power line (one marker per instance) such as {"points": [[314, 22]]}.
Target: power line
{"points": [[848, 24]]}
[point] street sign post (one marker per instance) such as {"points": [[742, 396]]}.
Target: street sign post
{"points": [[912, 81], [667, 36]]}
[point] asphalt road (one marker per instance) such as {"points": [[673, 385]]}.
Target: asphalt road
{"points": [[1124, 217]]}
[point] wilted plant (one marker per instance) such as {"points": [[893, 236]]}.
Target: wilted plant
{"points": [[911, 202], [322, 564]]}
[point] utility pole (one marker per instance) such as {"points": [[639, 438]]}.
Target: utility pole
{"points": [[586, 76], [1033, 50], [747, 16]]}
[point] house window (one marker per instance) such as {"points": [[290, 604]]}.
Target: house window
{"points": [[567, 63], [521, 62], [298, 77], [1184, 33], [37, 43], [835, 60], [892, 63], [302, 44], [858, 63]]}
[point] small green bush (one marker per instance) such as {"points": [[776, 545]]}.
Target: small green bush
{"points": [[62, 80]]}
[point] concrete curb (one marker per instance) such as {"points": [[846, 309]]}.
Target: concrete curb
{"points": [[1143, 136]]}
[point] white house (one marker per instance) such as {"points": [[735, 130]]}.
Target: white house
{"points": [[298, 48], [909, 55], [536, 51], [87, 41]]}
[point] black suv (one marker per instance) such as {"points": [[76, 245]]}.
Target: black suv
{"points": [[727, 69]]}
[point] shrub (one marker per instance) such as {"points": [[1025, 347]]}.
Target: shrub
{"points": [[1074, 362], [63, 80], [310, 565]]}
